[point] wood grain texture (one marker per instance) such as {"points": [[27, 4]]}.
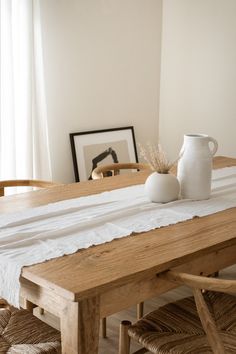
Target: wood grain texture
{"points": [[125, 296], [80, 327], [174, 244], [111, 267], [110, 345], [183, 241], [25, 183]]}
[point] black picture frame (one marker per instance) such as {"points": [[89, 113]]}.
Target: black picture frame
{"points": [[118, 144]]}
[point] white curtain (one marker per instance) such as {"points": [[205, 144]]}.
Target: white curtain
{"points": [[24, 148]]}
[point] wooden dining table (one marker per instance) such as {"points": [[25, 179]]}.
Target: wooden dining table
{"points": [[99, 281]]}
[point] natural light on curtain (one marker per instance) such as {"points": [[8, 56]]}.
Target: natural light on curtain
{"points": [[24, 149]]}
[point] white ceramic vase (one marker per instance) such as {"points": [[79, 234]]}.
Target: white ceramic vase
{"points": [[195, 166], [162, 187]]}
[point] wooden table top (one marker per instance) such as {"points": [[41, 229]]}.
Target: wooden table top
{"points": [[100, 268]]}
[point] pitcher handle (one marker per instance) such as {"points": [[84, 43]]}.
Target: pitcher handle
{"points": [[215, 147]]}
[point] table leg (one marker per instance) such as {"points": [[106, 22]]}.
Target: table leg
{"points": [[28, 305], [80, 327]]}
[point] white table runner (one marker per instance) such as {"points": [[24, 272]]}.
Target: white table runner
{"points": [[37, 234]]}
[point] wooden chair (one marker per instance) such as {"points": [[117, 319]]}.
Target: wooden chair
{"points": [[21, 333], [114, 169], [204, 323], [25, 183]]}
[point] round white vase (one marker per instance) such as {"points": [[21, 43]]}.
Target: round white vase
{"points": [[162, 187]]}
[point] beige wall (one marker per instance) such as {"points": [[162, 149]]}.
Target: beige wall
{"points": [[198, 72], [102, 67]]}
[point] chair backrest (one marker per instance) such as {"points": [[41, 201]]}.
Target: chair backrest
{"points": [[197, 283], [201, 282], [25, 183], [114, 169]]}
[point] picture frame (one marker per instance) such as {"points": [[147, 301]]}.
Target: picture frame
{"points": [[97, 147]]}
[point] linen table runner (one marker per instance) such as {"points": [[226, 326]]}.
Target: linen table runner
{"points": [[38, 234]]}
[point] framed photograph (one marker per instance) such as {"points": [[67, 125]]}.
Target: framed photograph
{"points": [[101, 147]]}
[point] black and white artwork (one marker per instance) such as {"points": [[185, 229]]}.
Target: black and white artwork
{"points": [[101, 147]]}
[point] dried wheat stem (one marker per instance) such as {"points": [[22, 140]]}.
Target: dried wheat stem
{"points": [[155, 156]]}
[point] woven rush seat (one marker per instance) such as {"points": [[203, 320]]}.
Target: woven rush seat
{"points": [[23, 333], [176, 327]]}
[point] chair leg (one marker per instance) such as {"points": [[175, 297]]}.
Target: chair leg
{"points": [[216, 274], [104, 327], [2, 192], [124, 339], [140, 310], [28, 305], [41, 311]]}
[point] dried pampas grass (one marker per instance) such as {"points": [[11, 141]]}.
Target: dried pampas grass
{"points": [[156, 158]]}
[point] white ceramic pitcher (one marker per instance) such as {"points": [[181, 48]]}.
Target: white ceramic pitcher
{"points": [[195, 166]]}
